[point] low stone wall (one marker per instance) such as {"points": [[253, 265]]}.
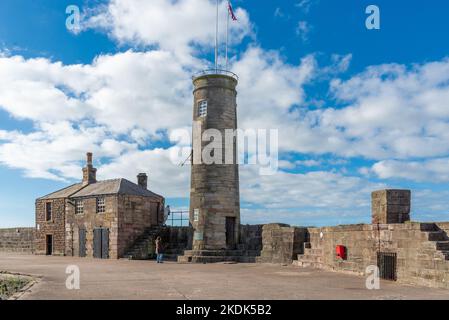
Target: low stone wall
{"points": [[17, 240], [281, 243], [419, 259], [178, 238], [251, 237]]}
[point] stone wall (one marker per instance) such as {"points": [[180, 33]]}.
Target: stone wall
{"points": [[251, 237], [89, 220], [17, 240], [281, 243], [177, 239], [136, 214], [419, 260], [54, 227]]}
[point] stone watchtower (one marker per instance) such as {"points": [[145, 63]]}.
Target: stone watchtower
{"points": [[214, 193]]}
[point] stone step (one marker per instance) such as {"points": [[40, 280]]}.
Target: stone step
{"points": [[308, 264], [313, 251], [428, 227], [210, 259], [437, 236], [443, 245], [310, 258], [445, 254], [212, 253]]}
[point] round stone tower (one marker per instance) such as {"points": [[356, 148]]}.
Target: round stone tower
{"points": [[214, 193]]}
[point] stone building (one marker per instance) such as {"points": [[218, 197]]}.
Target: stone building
{"points": [[93, 218]]}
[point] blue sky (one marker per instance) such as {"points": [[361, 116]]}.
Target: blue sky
{"points": [[356, 109]]}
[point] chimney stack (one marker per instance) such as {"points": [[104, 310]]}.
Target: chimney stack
{"points": [[89, 172], [142, 180]]}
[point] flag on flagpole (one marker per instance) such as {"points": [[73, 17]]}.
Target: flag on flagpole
{"points": [[231, 11]]}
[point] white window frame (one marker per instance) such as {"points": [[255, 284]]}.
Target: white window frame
{"points": [[101, 205], [202, 108], [79, 207], [196, 215]]}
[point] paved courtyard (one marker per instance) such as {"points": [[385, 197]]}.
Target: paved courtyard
{"points": [[123, 279]]}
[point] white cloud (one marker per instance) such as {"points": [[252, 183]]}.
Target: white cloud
{"points": [[302, 30], [179, 26], [305, 5], [434, 170]]}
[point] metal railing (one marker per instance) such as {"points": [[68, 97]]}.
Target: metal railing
{"points": [[216, 71], [178, 219]]}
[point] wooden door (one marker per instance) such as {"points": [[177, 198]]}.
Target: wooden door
{"points": [[82, 242], [230, 233]]}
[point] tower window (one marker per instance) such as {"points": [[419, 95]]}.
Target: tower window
{"points": [[48, 211], [196, 215], [101, 205], [79, 207], [202, 108]]}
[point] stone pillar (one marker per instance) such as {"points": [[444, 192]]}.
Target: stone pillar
{"points": [[214, 193], [390, 206]]}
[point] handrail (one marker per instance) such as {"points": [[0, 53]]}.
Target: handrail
{"points": [[172, 219], [216, 72]]}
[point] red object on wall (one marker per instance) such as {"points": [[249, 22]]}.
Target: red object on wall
{"points": [[341, 252]]}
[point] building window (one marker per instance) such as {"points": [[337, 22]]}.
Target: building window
{"points": [[79, 207], [101, 205], [202, 108], [48, 215]]}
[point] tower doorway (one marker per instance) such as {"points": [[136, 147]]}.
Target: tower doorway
{"points": [[230, 233]]}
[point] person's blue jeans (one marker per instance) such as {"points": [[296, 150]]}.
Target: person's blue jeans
{"points": [[159, 257]]}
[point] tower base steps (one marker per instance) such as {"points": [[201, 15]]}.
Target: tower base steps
{"points": [[215, 256]]}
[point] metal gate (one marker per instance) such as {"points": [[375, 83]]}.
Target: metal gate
{"points": [[387, 263], [101, 243], [82, 242]]}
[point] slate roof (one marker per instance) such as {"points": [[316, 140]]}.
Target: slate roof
{"points": [[63, 193], [105, 187]]}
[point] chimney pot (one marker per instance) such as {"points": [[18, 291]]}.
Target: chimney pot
{"points": [[89, 158]]}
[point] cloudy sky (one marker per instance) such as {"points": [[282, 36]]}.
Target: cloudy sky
{"points": [[356, 109]]}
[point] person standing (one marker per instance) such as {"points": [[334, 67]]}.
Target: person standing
{"points": [[159, 250]]}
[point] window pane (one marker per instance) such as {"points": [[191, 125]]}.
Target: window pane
{"points": [[202, 108]]}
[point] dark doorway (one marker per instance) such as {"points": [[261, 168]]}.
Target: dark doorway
{"points": [[387, 262], [82, 242], [49, 244], [101, 243], [230, 233]]}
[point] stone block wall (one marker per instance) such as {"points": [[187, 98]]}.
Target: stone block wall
{"points": [[54, 227], [390, 206], [419, 261], [281, 243], [17, 240], [136, 214], [251, 237], [89, 220]]}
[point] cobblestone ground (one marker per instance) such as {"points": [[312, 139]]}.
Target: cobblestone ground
{"points": [[123, 279]]}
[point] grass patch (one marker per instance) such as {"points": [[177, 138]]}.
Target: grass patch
{"points": [[10, 285]]}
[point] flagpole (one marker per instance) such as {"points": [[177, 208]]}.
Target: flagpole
{"points": [[227, 36], [216, 41]]}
